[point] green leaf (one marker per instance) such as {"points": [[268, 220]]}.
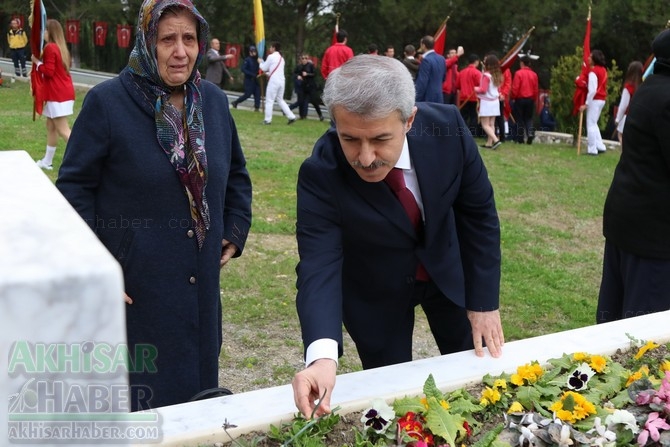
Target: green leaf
{"points": [[527, 396], [431, 390], [442, 423], [403, 405]]}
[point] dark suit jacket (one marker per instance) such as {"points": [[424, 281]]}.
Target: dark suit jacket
{"points": [[359, 251], [216, 67], [432, 72]]}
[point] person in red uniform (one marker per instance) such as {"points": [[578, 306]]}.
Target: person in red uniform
{"points": [[449, 91], [595, 101], [524, 92], [505, 89], [57, 89], [336, 54], [466, 82]]}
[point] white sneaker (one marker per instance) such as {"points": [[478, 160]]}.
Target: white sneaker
{"points": [[42, 164]]}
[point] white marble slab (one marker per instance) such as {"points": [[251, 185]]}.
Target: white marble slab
{"points": [[200, 422], [59, 287]]}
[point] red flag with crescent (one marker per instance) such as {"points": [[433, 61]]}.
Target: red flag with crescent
{"points": [[99, 33], [235, 49], [123, 34], [440, 38], [72, 31], [582, 81]]}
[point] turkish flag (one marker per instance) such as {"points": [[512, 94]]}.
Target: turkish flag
{"points": [[72, 31], [235, 49], [123, 33], [99, 33]]}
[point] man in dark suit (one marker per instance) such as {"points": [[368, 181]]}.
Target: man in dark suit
{"points": [[362, 261], [216, 67], [432, 72]]}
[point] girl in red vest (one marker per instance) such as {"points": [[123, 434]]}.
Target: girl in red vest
{"points": [[595, 101], [632, 80]]}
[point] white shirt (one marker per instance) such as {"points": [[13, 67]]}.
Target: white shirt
{"points": [[274, 67], [326, 348]]}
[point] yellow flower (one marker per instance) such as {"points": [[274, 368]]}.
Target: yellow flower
{"points": [[424, 402], [650, 345], [490, 396], [500, 384], [572, 407], [598, 363], [664, 366], [444, 404], [529, 373], [579, 356], [516, 407], [637, 375]]}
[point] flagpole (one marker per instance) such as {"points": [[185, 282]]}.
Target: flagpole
{"points": [[515, 49], [579, 132]]}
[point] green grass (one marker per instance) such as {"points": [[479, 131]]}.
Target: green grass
{"points": [[550, 203]]}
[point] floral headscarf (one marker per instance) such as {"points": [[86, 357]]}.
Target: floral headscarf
{"points": [[182, 137]]}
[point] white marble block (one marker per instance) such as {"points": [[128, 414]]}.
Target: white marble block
{"points": [[61, 317]]}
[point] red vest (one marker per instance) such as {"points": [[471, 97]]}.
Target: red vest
{"points": [[601, 74]]}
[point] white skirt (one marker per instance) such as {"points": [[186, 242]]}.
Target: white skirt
{"points": [[54, 109], [489, 108]]}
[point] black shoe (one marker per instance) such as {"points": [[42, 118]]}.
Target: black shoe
{"points": [[496, 145], [256, 109], [234, 104], [267, 123], [321, 118], [291, 121]]}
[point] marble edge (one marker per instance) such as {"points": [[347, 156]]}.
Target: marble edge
{"points": [[188, 424]]}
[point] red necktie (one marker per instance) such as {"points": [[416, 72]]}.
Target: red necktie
{"points": [[396, 180]]}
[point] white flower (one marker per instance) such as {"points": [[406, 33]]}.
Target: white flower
{"points": [[566, 438], [580, 377], [605, 437], [623, 417], [379, 416], [526, 435]]}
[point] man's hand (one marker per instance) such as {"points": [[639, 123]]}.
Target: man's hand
{"points": [[460, 51], [311, 383], [228, 249], [582, 108], [486, 326]]}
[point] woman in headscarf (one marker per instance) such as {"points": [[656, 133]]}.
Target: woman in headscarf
{"points": [[155, 167]]}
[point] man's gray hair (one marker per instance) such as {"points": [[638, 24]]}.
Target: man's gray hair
{"points": [[371, 86]]}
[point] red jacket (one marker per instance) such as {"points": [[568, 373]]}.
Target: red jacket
{"points": [[449, 84], [335, 56], [466, 82], [525, 84], [57, 83]]}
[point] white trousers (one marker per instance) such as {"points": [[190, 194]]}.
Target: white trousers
{"points": [[275, 92], [595, 141]]}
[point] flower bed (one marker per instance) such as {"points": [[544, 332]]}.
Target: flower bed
{"points": [[577, 399]]}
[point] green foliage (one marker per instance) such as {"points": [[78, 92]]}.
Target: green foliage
{"points": [[304, 433], [563, 76]]}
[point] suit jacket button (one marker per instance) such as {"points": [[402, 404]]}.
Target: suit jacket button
{"points": [[190, 233], [192, 280]]}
